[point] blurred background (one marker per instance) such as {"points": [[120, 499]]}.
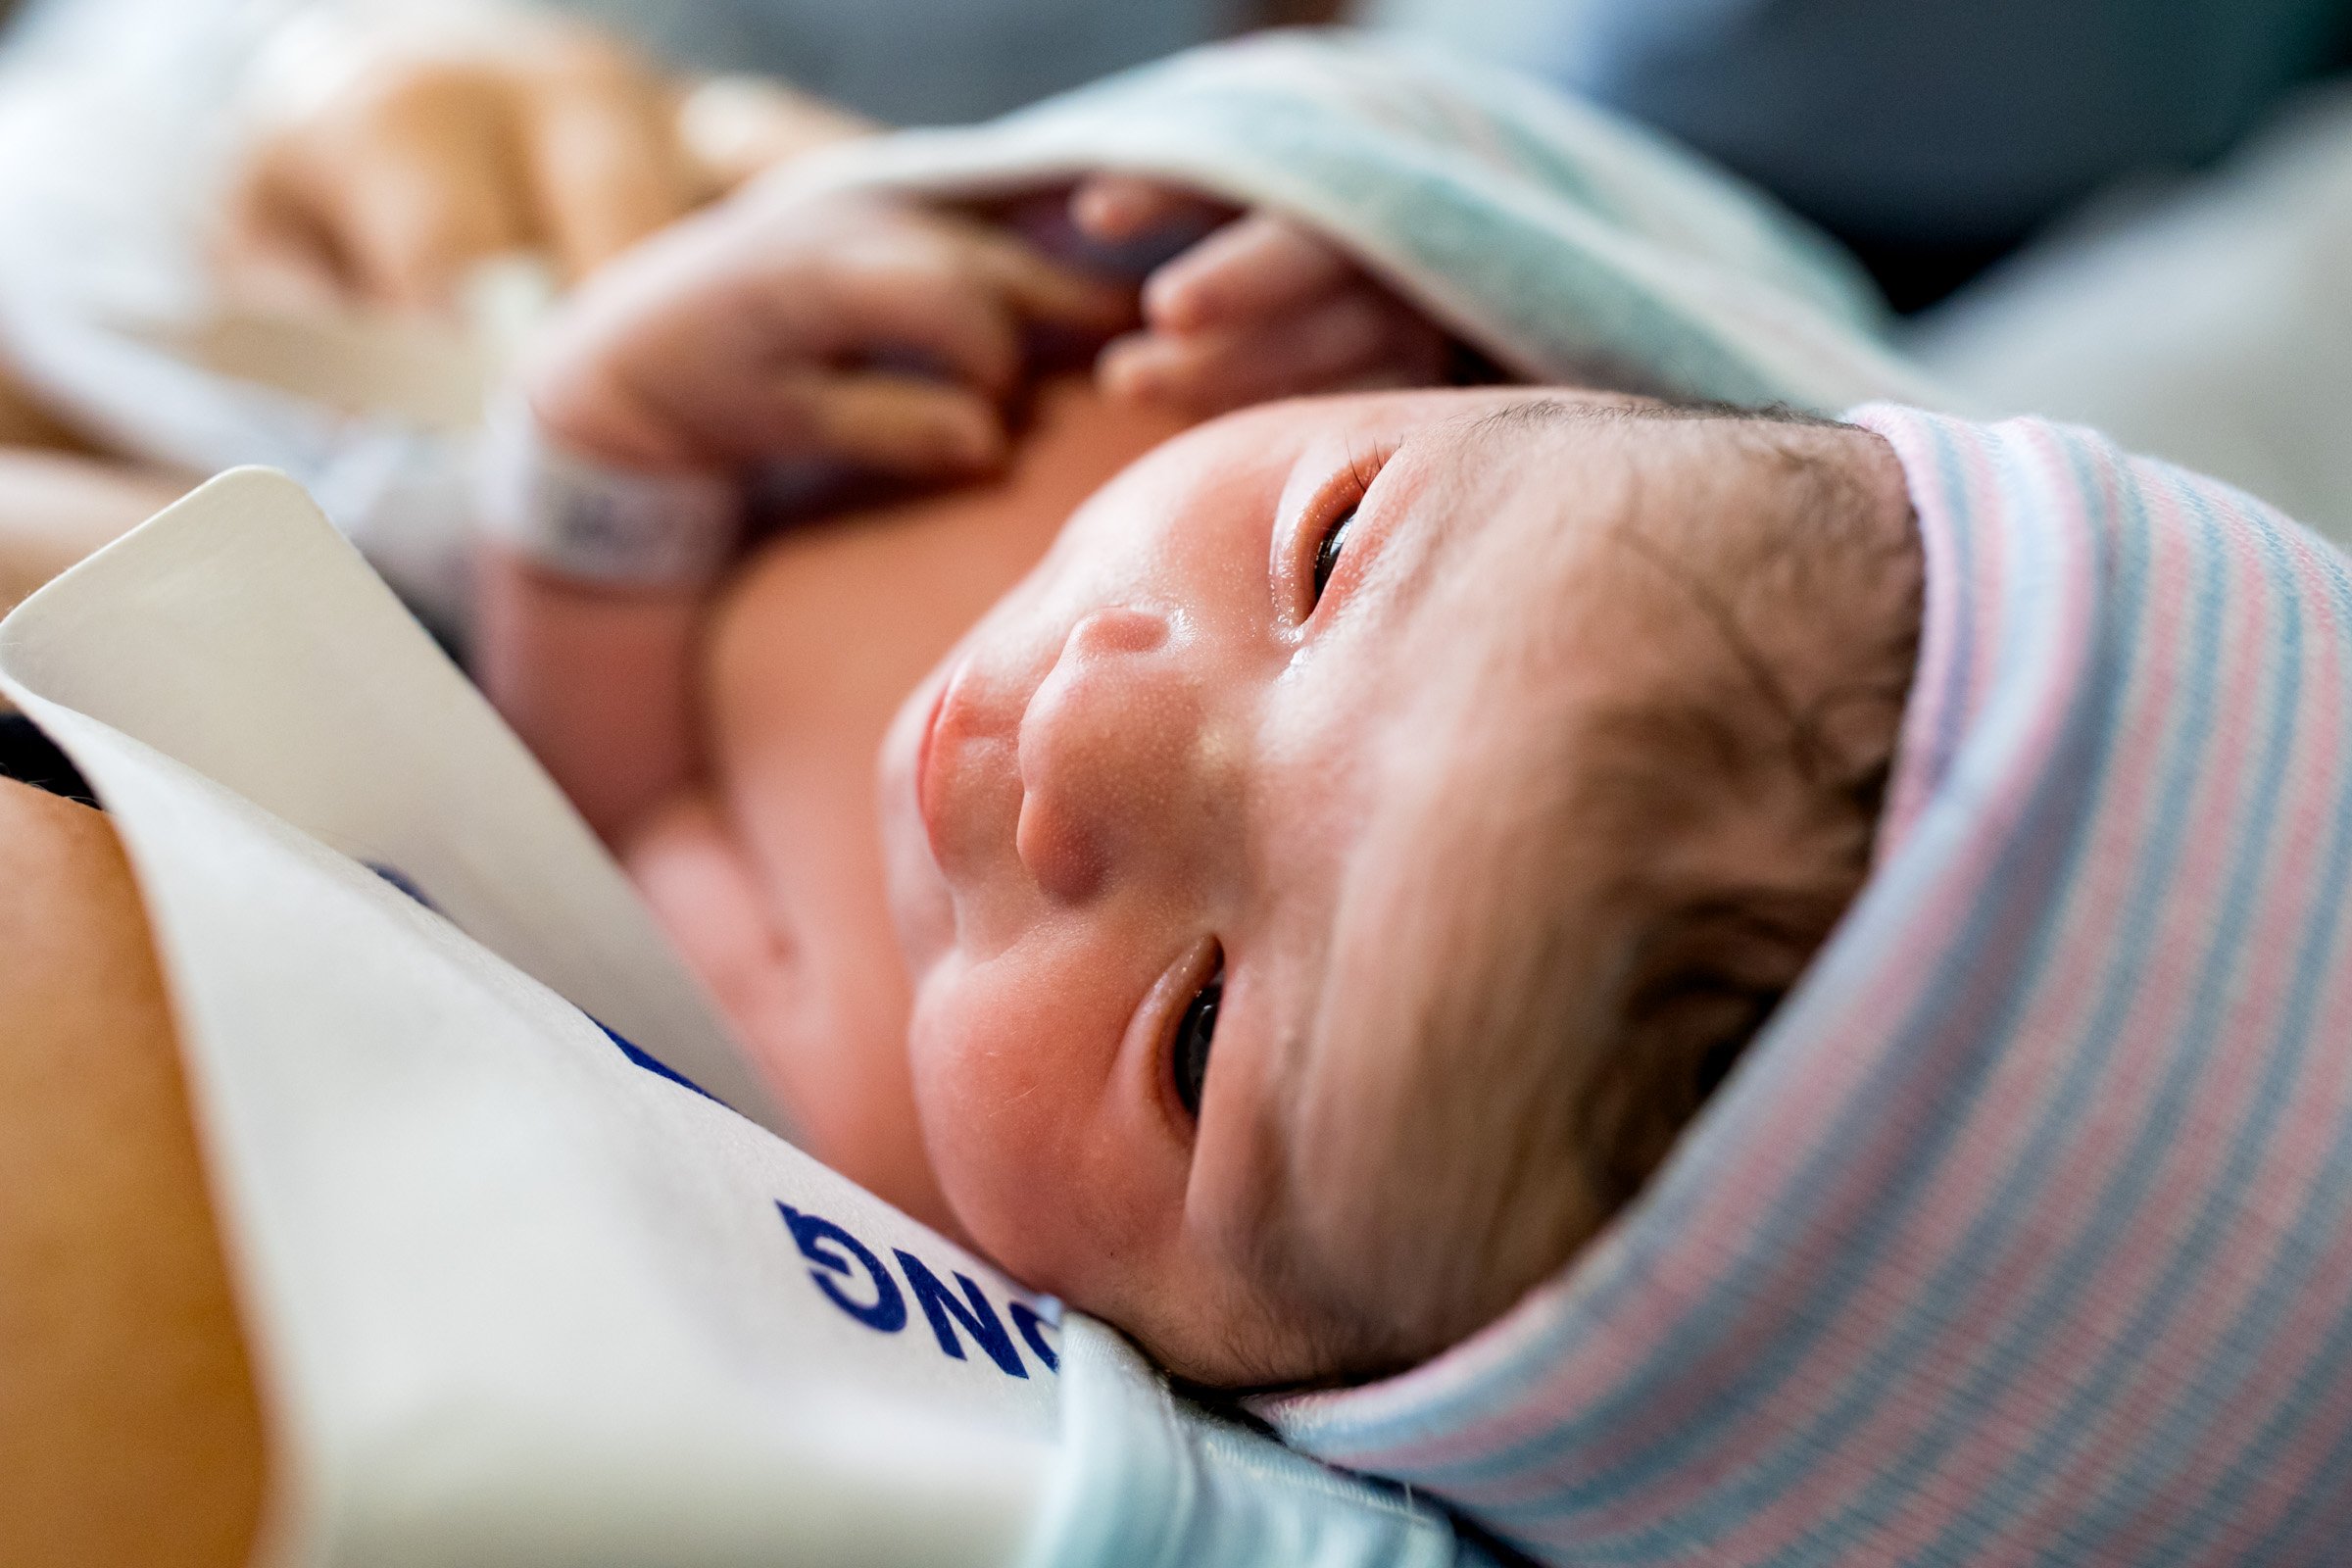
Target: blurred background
{"points": [[252, 230]]}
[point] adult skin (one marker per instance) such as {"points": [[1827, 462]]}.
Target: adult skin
{"points": [[57, 502], [130, 1428], [24, 422], [449, 148], [57, 507]]}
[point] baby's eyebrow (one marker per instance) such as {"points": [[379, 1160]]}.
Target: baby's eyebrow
{"points": [[1533, 413], [1468, 487], [1445, 508]]}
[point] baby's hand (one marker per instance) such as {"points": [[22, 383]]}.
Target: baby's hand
{"points": [[857, 328], [1257, 309]]}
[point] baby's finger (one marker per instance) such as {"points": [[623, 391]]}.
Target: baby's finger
{"points": [[1356, 336], [904, 425], [896, 424], [891, 294], [1115, 209], [1253, 268], [1040, 290]]}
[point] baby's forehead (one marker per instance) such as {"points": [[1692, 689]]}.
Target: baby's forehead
{"points": [[1548, 538], [1560, 468], [1642, 542]]}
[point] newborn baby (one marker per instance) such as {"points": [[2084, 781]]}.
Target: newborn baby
{"points": [[1334, 876], [1322, 889]]}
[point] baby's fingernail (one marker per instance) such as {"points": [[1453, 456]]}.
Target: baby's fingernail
{"points": [[1131, 372], [1172, 304], [1107, 209], [1096, 212]]}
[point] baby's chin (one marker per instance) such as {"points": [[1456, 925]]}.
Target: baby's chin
{"points": [[921, 910]]}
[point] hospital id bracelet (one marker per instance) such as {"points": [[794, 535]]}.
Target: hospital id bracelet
{"points": [[577, 517]]}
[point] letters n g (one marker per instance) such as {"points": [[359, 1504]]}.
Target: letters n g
{"points": [[824, 1244]]}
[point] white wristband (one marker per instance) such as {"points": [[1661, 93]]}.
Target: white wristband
{"points": [[577, 517]]}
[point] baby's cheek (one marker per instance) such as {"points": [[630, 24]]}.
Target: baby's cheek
{"points": [[1024, 1129], [999, 1114]]}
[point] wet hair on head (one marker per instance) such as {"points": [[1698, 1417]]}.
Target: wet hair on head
{"points": [[1718, 953], [1726, 819]]}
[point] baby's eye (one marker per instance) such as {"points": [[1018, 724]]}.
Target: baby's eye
{"points": [[1188, 1057], [1327, 550]]}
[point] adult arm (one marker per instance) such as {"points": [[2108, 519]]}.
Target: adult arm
{"points": [[401, 147], [56, 508], [130, 1433], [24, 422]]}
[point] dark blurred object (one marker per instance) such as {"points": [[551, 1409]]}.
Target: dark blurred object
{"points": [[1930, 135], [919, 61], [29, 757]]}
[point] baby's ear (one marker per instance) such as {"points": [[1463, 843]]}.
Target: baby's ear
{"points": [[1854, 718], [1701, 987], [1679, 1043], [1858, 551]]}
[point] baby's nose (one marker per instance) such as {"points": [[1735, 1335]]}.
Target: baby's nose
{"points": [[1107, 748]]}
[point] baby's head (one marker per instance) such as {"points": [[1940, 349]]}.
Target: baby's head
{"points": [[1337, 876]]}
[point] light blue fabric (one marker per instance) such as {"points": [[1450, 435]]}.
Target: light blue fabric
{"points": [[1565, 243], [1149, 1481]]}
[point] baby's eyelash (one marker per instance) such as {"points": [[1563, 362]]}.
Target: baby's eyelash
{"points": [[1327, 553], [1194, 1038], [1330, 518], [1192, 996]]}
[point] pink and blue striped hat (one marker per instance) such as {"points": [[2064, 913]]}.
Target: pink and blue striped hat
{"points": [[2025, 1232]]}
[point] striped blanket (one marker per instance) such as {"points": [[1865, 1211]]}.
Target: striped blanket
{"points": [[2025, 1232]]}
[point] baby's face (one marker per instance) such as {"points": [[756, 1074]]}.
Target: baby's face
{"points": [[1179, 831]]}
